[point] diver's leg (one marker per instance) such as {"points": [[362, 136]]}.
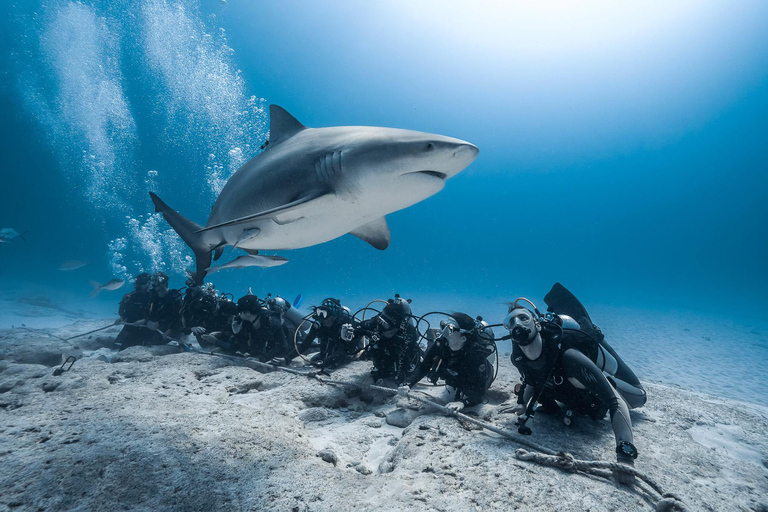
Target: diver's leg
{"points": [[624, 378]]}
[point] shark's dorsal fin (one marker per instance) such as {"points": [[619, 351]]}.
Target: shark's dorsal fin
{"points": [[282, 125], [375, 233]]}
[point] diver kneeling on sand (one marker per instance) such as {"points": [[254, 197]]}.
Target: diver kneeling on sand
{"points": [[566, 365], [460, 358], [256, 331], [394, 347], [164, 312], [328, 319], [134, 309]]}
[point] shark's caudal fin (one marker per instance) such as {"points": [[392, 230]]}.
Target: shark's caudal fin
{"points": [[96, 288], [187, 231]]}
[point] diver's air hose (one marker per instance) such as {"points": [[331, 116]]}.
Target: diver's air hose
{"points": [[295, 335]]}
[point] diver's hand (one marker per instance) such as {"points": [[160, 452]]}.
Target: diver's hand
{"points": [[209, 338], [621, 476], [347, 332], [198, 330], [119, 321], [511, 408], [153, 325], [403, 390], [278, 361], [454, 406]]}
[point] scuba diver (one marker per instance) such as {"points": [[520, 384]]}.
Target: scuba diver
{"points": [[459, 356], [394, 347], [200, 312], [134, 308], [257, 332], [328, 319], [563, 358], [164, 311]]}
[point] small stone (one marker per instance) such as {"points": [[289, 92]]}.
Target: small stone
{"points": [[314, 414], [328, 456]]}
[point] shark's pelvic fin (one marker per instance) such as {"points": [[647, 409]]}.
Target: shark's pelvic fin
{"points": [[282, 125], [375, 233], [188, 231], [266, 214]]}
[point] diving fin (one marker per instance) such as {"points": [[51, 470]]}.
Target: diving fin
{"points": [[562, 302]]}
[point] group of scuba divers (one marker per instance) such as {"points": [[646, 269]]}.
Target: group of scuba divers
{"points": [[565, 364]]}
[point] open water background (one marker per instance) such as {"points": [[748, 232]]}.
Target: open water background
{"points": [[623, 152]]}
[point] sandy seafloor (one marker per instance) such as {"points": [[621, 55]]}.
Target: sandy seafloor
{"points": [[159, 430]]}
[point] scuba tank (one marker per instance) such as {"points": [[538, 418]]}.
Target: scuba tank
{"points": [[486, 338]]}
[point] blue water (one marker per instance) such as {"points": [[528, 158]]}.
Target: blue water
{"points": [[623, 149]]}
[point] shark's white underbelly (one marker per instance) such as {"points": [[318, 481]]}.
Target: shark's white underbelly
{"points": [[311, 226]]}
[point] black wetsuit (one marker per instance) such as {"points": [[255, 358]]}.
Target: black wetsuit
{"points": [[133, 307], [333, 349], [569, 374], [268, 340], [166, 311], [396, 356], [467, 370]]}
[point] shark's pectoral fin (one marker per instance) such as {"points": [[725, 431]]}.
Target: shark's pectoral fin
{"points": [[283, 211], [252, 252], [375, 233]]}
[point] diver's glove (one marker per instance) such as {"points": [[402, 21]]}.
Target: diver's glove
{"points": [[347, 332], [197, 331], [279, 361], [153, 325], [209, 338], [403, 390], [454, 406], [511, 408]]}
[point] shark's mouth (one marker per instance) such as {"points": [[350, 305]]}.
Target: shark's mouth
{"points": [[434, 174]]}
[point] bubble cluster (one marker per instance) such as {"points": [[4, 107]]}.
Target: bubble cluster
{"points": [[205, 98], [83, 61]]}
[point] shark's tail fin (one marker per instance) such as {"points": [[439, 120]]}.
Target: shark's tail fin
{"points": [[96, 288], [186, 230]]}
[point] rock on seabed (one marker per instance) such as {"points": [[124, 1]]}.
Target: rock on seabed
{"points": [[158, 430]]}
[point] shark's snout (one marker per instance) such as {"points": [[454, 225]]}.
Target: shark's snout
{"points": [[466, 151]]}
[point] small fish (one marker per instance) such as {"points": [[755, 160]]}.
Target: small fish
{"points": [[249, 260], [297, 301], [10, 234], [112, 284], [72, 265]]}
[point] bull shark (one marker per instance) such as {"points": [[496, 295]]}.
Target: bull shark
{"points": [[311, 185]]}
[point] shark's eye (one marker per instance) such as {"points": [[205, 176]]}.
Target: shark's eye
{"points": [[430, 146]]}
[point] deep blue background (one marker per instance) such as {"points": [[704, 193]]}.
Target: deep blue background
{"points": [[621, 153]]}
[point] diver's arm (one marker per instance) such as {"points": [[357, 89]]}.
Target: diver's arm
{"points": [[473, 392], [582, 373], [423, 369], [237, 324]]}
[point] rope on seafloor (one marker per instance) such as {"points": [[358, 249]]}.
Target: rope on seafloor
{"points": [[665, 502], [567, 462]]}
